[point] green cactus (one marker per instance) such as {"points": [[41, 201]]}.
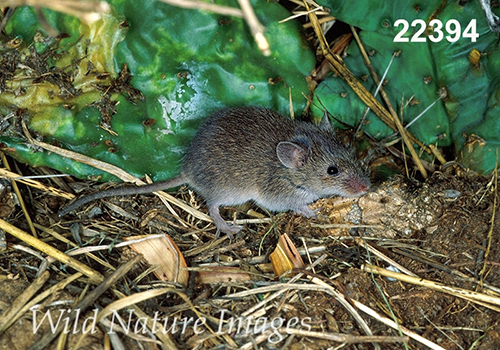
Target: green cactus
{"points": [[421, 69], [186, 63]]}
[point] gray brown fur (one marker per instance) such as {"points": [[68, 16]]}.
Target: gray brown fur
{"points": [[250, 153]]}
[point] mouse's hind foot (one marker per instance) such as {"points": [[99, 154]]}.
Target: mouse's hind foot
{"points": [[222, 225], [229, 229]]}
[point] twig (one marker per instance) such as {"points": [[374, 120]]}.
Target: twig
{"points": [[46, 293], [208, 255], [301, 13], [260, 259], [400, 154], [256, 28], [492, 222], [63, 239], [321, 21], [318, 286], [347, 305], [393, 113], [392, 324], [348, 226], [116, 171], [246, 13], [339, 67], [94, 276], [445, 268], [87, 301], [35, 184], [346, 338], [22, 299], [87, 11], [20, 198], [96, 248], [440, 287], [382, 256]]}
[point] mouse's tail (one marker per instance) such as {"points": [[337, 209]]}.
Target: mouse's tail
{"points": [[123, 191]]}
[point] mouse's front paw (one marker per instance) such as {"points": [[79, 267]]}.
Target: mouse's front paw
{"points": [[306, 211]]}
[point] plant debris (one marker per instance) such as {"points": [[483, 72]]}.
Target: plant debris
{"points": [[349, 268]]}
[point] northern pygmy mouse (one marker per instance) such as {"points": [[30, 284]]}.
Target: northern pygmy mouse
{"points": [[243, 154]]}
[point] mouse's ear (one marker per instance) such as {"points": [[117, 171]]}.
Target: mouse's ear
{"points": [[292, 155], [325, 123]]}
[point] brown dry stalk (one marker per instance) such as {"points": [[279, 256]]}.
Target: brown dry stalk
{"points": [[256, 28], [41, 296], [337, 64], [246, 12], [22, 299], [368, 64], [94, 276], [489, 301], [347, 338], [88, 300], [362, 243], [63, 239], [163, 336], [116, 171], [35, 184], [393, 325], [87, 11], [492, 222], [19, 197]]}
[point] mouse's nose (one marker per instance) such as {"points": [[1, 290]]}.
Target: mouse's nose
{"points": [[358, 186]]}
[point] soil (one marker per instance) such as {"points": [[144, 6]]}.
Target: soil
{"points": [[440, 230]]}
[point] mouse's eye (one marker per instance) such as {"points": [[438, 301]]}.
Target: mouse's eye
{"points": [[332, 170]]}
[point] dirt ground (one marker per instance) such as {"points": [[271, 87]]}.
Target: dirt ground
{"points": [[439, 230]]}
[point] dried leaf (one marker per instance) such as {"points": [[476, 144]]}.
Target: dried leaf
{"points": [[162, 252], [285, 257]]}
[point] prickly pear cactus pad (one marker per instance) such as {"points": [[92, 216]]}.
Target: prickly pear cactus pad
{"points": [[467, 67], [131, 88]]}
